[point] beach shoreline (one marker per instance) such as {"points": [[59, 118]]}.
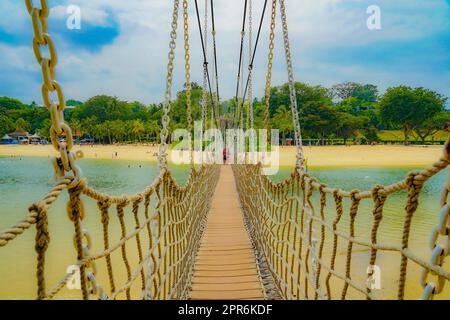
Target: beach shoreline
{"points": [[317, 156]]}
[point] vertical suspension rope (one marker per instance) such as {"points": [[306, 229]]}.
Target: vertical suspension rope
{"points": [[205, 71], [250, 68], [300, 164], [237, 111], [216, 69], [206, 82], [241, 90]]}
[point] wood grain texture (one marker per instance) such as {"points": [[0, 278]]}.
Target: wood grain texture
{"points": [[226, 266]]}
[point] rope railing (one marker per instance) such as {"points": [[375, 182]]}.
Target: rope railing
{"points": [[168, 223], [308, 252]]}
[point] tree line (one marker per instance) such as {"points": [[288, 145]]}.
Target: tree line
{"points": [[344, 111]]}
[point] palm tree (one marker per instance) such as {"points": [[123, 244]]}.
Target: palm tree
{"points": [[152, 128], [137, 129], [282, 120]]}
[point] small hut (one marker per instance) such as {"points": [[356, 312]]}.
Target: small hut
{"points": [[35, 138], [20, 135], [8, 140]]}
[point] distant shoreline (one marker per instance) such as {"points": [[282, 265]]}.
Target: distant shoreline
{"points": [[317, 157]]}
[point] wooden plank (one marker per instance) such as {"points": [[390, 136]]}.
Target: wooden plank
{"points": [[227, 295], [223, 280], [223, 262], [229, 273], [225, 266], [227, 286]]}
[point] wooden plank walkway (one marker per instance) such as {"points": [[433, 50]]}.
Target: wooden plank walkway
{"points": [[226, 266]]}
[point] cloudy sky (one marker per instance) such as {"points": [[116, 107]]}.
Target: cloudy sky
{"points": [[122, 46]]}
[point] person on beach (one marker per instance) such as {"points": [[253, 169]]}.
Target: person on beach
{"points": [[225, 155]]}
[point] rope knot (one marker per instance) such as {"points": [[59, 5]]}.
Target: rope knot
{"points": [[412, 182], [104, 206], [379, 199], [123, 202], [353, 195], [337, 197], [322, 187], [78, 187], [75, 207], [139, 198], [355, 203]]}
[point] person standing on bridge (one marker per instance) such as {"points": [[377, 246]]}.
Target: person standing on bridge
{"points": [[225, 155]]}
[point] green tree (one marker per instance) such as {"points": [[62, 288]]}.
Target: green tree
{"points": [[370, 133], [76, 126], [90, 126], [73, 103], [362, 92], [280, 96], [104, 108], [410, 108], [7, 103], [22, 124], [44, 130], [282, 120], [348, 125], [318, 120], [152, 129], [137, 129], [178, 114], [366, 92], [432, 125], [6, 125]]}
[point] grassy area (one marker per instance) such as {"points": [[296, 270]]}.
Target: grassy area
{"points": [[397, 135]]}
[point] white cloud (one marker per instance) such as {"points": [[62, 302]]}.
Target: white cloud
{"points": [[93, 16], [133, 67]]}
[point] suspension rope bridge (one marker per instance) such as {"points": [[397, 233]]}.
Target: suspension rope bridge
{"points": [[229, 232]]}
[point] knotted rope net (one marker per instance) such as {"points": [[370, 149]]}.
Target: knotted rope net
{"points": [[163, 223], [308, 236], [159, 234]]}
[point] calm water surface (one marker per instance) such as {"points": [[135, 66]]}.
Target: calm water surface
{"points": [[25, 180]]}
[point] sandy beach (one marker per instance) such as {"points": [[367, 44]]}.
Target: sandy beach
{"points": [[327, 156]]}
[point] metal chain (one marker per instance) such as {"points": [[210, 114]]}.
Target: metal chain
{"points": [[59, 129], [293, 95], [94, 288], [270, 65], [439, 250], [187, 67], [167, 102]]}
